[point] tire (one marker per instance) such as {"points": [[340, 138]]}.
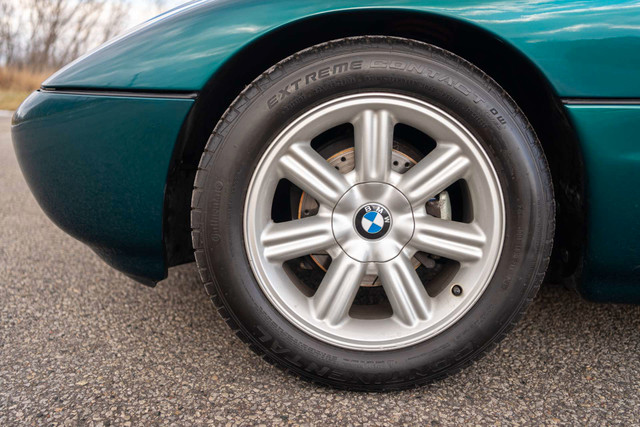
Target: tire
{"points": [[391, 70]]}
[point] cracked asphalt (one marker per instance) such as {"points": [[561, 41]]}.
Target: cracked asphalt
{"points": [[80, 344]]}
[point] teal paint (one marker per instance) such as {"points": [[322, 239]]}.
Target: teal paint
{"points": [[585, 49], [98, 166], [610, 137]]}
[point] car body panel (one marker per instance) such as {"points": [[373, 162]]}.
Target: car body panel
{"points": [[610, 137], [98, 162], [98, 166], [583, 48]]}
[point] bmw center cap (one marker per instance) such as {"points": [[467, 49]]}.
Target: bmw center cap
{"points": [[372, 221]]}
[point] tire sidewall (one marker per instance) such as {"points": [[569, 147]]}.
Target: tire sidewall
{"points": [[382, 65]]}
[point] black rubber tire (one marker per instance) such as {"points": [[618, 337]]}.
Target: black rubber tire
{"points": [[375, 64]]}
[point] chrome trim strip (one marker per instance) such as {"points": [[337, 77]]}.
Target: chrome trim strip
{"points": [[122, 93], [601, 101]]}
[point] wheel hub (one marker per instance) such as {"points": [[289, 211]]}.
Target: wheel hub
{"points": [[403, 157], [372, 222]]}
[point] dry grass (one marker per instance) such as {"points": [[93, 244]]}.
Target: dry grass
{"points": [[11, 99], [21, 79], [17, 84]]}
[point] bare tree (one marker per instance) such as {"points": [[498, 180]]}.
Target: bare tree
{"points": [[114, 21], [8, 31], [53, 32]]}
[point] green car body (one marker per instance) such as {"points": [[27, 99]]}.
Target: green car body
{"points": [[108, 144]]}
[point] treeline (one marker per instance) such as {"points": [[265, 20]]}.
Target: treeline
{"points": [[46, 34]]}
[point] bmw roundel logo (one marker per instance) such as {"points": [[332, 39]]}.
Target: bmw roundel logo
{"points": [[372, 221]]}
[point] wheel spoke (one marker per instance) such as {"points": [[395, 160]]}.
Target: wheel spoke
{"points": [[288, 240], [450, 239], [438, 170], [406, 293], [373, 133], [340, 233], [338, 288], [307, 169]]}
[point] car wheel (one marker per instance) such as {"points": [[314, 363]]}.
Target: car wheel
{"points": [[372, 213]]}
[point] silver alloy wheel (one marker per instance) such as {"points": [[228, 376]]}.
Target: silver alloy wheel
{"points": [[416, 315]]}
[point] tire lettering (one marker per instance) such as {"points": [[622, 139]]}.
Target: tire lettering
{"points": [[413, 68], [462, 89], [324, 72], [309, 78], [317, 370], [296, 84], [271, 102], [396, 65], [498, 117], [284, 92], [340, 68]]}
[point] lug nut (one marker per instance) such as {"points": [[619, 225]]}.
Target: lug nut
{"points": [[456, 290]]}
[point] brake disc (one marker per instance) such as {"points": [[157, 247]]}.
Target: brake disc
{"points": [[344, 162]]}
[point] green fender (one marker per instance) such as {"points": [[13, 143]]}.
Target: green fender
{"points": [[585, 49]]}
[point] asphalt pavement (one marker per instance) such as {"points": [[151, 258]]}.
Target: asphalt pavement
{"points": [[81, 344]]}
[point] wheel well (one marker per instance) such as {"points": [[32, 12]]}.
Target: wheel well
{"points": [[508, 66]]}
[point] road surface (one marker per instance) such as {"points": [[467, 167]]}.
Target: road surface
{"points": [[82, 344]]}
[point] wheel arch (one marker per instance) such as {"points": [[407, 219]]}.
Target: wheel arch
{"points": [[520, 77]]}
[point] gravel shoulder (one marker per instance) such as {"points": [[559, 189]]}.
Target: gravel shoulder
{"points": [[82, 344]]}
